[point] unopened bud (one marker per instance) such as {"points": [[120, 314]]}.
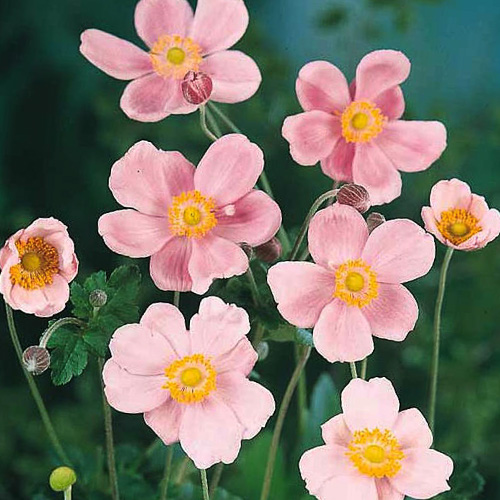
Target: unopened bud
{"points": [[98, 298], [262, 350], [62, 478], [36, 359], [196, 87], [355, 196], [270, 251], [374, 220], [247, 249]]}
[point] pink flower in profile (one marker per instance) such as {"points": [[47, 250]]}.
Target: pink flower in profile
{"points": [[37, 264], [190, 221], [375, 452], [353, 290], [355, 131], [192, 386], [459, 218], [178, 42]]}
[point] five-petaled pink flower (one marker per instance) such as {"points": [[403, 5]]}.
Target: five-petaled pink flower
{"points": [[178, 42], [192, 386], [37, 264], [459, 218], [190, 221], [375, 452], [355, 131], [353, 290]]}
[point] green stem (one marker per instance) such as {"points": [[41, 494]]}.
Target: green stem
{"points": [[67, 493], [354, 372], [437, 336], [230, 124], [166, 473], [177, 299], [364, 365], [301, 395], [204, 126], [253, 287], [273, 450], [57, 324], [259, 334], [213, 123], [204, 484], [34, 390], [182, 470], [215, 479]]}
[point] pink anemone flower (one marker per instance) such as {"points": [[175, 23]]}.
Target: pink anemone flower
{"points": [[192, 386], [37, 264], [178, 42], [355, 132], [353, 290], [460, 219], [375, 452], [190, 221]]}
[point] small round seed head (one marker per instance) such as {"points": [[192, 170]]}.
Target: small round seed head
{"points": [[196, 87], [355, 196], [36, 359], [270, 251], [98, 298], [374, 220], [62, 478], [262, 350]]}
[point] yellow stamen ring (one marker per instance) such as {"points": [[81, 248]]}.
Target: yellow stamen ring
{"points": [[458, 225], [362, 121], [355, 283]]}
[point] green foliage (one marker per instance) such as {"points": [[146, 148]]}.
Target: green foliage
{"points": [[466, 482]]}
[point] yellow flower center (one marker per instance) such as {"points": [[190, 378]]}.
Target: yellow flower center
{"points": [[190, 379], [355, 283], [192, 214], [375, 453], [362, 121], [173, 56], [38, 263], [458, 225]]}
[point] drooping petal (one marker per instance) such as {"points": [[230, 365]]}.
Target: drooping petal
{"points": [[241, 358], [446, 195], [335, 431], [165, 420], [411, 430], [338, 164], [386, 491]]}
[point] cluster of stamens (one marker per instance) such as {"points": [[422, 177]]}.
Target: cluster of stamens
{"points": [[362, 121], [458, 225], [355, 283]]}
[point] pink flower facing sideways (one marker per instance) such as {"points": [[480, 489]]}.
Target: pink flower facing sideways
{"points": [[190, 221], [37, 264], [192, 386], [375, 452], [353, 290], [178, 42], [459, 218], [355, 131]]}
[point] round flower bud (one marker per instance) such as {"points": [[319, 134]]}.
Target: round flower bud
{"points": [[98, 298], [62, 478], [354, 195], [247, 249], [36, 359], [196, 87], [262, 350], [270, 251], [374, 220]]}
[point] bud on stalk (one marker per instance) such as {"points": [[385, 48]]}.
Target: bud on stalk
{"points": [[36, 359], [270, 251], [355, 196], [374, 220], [196, 87]]}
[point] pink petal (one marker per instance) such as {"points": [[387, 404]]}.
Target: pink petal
{"points": [[424, 473], [391, 102], [431, 225], [399, 250], [312, 135], [166, 420], [338, 164], [371, 404], [302, 290], [147, 178], [335, 431], [116, 57], [218, 24], [252, 403], [411, 430], [491, 227], [169, 266], [253, 219], [235, 76], [478, 206], [379, 71], [132, 393], [56, 296], [446, 195], [321, 85], [133, 234], [386, 491], [337, 234], [342, 333], [357, 487], [154, 18], [393, 314], [229, 169], [412, 146], [241, 358]]}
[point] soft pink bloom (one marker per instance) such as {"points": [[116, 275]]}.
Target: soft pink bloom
{"points": [[375, 452], [192, 386], [37, 264], [353, 290], [190, 221], [178, 42], [459, 218], [355, 131]]}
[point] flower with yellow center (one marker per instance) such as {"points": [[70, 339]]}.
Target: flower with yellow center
{"points": [[38, 264], [458, 225], [173, 56], [355, 283], [362, 121], [375, 453], [190, 379]]}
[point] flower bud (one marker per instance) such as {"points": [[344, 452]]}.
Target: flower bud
{"points": [[98, 298], [354, 195], [262, 350], [196, 87], [270, 251], [247, 249], [374, 220], [36, 359], [62, 478]]}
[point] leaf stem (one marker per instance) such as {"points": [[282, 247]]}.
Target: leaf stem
{"points": [[204, 126], [204, 484], [58, 324], [354, 372], [364, 365]]}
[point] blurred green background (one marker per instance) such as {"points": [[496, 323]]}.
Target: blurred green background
{"points": [[62, 128]]}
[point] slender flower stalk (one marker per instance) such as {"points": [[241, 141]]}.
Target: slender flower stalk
{"points": [[354, 372], [166, 473], [364, 365], [437, 337], [213, 123], [67, 493], [204, 126], [56, 325], [181, 472], [204, 484], [215, 479]]}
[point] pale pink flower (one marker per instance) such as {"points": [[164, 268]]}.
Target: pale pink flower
{"points": [[192, 386], [37, 264], [355, 131], [375, 452], [353, 290], [178, 42], [459, 218], [190, 221]]}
